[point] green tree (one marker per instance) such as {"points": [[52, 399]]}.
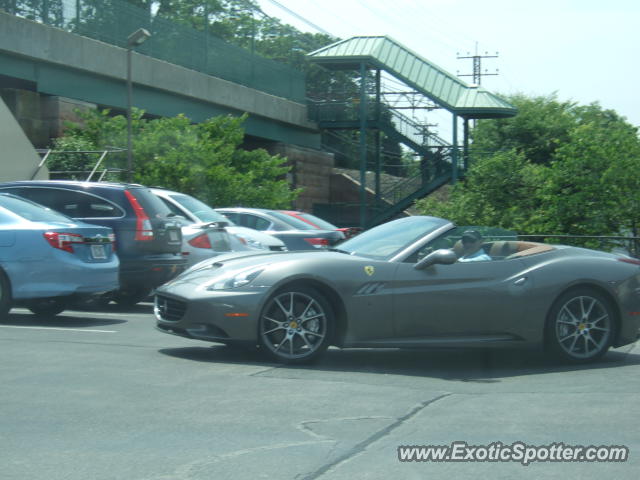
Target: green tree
{"points": [[541, 125], [593, 183], [46, 11], [205, 160], [500, 190], [74, 166], [555, 168]]}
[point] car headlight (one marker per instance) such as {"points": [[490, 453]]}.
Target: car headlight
{"points": [[235, 279]]}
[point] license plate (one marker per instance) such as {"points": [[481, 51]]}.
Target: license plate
{"points": [[98, 252], [173, 235]]}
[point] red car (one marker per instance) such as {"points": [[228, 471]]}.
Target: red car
{"points": [[320, 223]]}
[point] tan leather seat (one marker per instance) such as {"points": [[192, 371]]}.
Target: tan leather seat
{"points": [[502, 249], [506, 249]]}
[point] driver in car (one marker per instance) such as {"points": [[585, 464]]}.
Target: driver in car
{"points": [[472, 247]]}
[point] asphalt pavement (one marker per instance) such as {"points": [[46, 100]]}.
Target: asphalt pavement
{"points": [[103, 395]]}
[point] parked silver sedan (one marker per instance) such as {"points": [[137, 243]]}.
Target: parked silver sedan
{"points": [[406, 284], [206, 231], [297, 234]]}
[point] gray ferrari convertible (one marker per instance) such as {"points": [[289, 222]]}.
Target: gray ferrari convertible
{"points": [[417, 282]]}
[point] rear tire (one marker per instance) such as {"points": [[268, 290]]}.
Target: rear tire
{"points": [[5, 296], [581, 326], [47, 306]]}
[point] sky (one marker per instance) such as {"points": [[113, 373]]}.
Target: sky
{"points": [[584, 51]]}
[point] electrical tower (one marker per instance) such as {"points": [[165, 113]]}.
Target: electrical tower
{"points": [[477, 68]]}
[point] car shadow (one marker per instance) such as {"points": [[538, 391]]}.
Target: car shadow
{"points": [[220, 354], [58, 321], [480, 366], [140, 308]]}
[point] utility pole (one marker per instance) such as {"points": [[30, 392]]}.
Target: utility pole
{"points": [[477, 68]]}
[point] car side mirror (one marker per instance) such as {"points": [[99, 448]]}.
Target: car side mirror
{"points": [[439, 257]]}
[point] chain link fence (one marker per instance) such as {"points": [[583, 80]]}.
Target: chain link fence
{"points": [[112, 21]]}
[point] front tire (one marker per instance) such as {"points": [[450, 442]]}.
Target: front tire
{"points": [[581, 326], [5, 296], [296, 325], [48, 307]]}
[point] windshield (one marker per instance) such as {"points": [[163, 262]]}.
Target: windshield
{"points": [[31, 211], [199, 209], [388, 239]]}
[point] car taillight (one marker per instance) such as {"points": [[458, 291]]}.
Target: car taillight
{"points": [[632, 261], [144, 229], [63, 241], [201, 241], [318, 242], [112, 239]]}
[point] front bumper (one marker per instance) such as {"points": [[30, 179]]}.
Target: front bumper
{"points": [[219, 316]]}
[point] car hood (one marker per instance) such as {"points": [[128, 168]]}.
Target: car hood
{"points": [[238, 261]]}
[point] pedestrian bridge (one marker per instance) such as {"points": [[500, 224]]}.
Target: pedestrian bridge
{"points": [[52, 61], [442, 161]]}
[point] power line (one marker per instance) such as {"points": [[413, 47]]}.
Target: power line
{"points": [[301, 18], [389, 13]]}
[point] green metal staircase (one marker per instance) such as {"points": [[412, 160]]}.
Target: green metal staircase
{"points": [[440, 160], [436, 154]]}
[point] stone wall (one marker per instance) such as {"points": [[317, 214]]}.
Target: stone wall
{"points": [[42, 117], [311, 171]]}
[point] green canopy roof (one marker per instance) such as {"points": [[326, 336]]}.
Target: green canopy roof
{"points": [[441, 87]]}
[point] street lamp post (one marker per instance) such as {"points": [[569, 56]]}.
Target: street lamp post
{"points": [[136, 39]]}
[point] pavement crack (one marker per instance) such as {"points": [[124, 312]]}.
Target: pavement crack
{"points": [[306, 426], [362, 446], [263, 371]]}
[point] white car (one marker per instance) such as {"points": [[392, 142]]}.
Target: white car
{"points": [[198, 214]]}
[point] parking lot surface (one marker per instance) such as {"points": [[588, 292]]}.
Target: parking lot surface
{"points": [[103, 395]]}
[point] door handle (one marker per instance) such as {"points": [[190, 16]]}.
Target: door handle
{"points": [[521, 281]]}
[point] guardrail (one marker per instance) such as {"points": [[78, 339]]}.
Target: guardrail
{"points": [[100, 169]]}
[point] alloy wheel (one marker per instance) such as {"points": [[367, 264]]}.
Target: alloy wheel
{"points": [[583, 327], [295, 325]]}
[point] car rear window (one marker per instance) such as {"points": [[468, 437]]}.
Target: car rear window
{"points": [[31, 211], [73, 203], [199, 209], [153, 206], [250, 221]]}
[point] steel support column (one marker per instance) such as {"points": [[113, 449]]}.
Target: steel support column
{"points": [[378, 140], [454, 151], [465, 145], [363, 145], [129, 119]]}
